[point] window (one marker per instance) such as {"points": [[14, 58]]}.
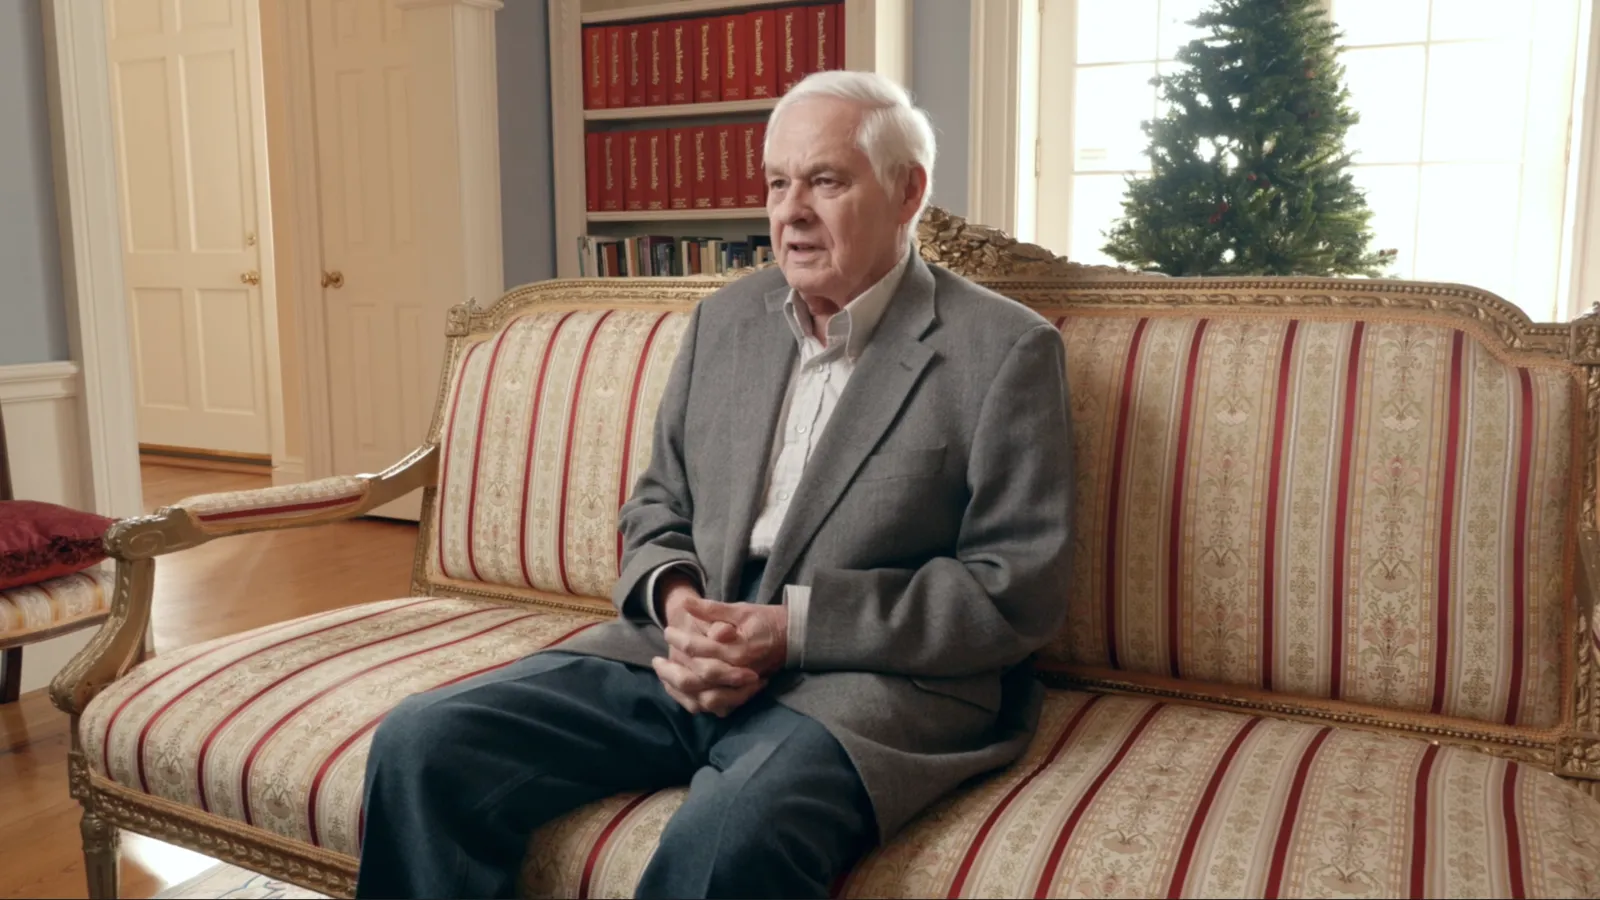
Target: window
{"points": [[1463, 145]]}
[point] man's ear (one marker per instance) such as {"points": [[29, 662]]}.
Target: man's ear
{"points": [[916, 185]]}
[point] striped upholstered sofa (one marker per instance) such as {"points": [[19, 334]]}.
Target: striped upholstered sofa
{"points": [[1332, 624]]}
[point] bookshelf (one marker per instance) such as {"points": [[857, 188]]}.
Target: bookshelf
{"points": [[874, 35]]}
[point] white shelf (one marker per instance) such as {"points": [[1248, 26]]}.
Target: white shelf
{"points": [[674, 10], [680, 111], [681, 215]]}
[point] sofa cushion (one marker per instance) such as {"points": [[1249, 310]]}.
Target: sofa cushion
{"points": [[1375, 511], [271, 727], [548, 424], [1126, 797], [53, 604]]}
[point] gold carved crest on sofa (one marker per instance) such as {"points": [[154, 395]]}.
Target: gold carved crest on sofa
{"points": [[1332, 612]]}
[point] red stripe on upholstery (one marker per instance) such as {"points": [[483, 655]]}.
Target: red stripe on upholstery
{"points": [[601, 841], [1175, 530], [566, 457], [1508, 801], [1269, 555], [211, 736], [633, 412], [477, 448], [261, 742], [1341, 516], [1065, 837], [1291, 810], [347, 743], [533, 440], [1202, 812], [989, 821], [1059, 323], [1419, 824], [1519, 552], [1115, 502], [449, 440], [144, 733], [1447, 516], [285, 508]]}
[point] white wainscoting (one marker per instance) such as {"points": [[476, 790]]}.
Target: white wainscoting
{"points": [[44, 440]]}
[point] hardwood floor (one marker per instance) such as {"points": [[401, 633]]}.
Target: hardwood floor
{"points": [[221, 588]]}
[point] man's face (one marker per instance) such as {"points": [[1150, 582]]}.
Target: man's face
{"points": [[835, 230]]}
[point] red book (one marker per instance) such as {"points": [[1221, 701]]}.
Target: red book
{"points": [[591, 171], [762, 28], [680, 173], [727, 157], [594, 67], [616, 69], [794, 47], [633, 165], [660, 66], [751, 175], [681, 49], [708, 60], [825, 49], [702, 173], [735, 64], [657, 157], [635, 47], [611, 157]]}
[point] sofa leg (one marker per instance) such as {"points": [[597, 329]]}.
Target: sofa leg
{"points": [[101, 856], [11, 675]]}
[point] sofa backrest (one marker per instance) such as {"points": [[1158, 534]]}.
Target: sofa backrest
{"points": [[1326, 497]]}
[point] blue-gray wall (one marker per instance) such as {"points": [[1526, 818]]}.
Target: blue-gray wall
{"points": [[527, 192], [33, 316], [940, 66]]}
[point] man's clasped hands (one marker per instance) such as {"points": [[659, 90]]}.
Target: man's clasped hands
{"points": [[719, 654]]}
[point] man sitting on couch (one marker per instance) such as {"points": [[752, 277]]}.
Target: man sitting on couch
{"points": [[853, 531]]}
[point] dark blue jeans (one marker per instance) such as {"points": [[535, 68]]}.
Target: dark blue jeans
{"points": [[459, 778]]}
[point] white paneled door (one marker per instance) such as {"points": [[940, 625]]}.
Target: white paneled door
{"points": [[184, 87], [385, 334]]}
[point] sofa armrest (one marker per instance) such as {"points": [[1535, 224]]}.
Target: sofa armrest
{"points": [[135, 543], [196, 520]]}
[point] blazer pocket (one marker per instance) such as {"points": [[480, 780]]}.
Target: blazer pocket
{"points": [[982, 691], [902, 464]]}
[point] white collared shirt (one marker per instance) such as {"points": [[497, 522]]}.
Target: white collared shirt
{"points": [[816, 383]]}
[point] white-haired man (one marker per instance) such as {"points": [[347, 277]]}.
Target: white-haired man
{"points": [[852, 533]]}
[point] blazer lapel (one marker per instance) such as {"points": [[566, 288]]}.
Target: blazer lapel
{"points": [[766, 350], [883, 379]]}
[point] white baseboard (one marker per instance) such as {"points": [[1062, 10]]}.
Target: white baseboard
{"points": [[44, 441], [288, 470]]}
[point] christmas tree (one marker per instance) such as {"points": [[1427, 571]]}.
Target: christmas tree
{"points": [[1249, 175]]}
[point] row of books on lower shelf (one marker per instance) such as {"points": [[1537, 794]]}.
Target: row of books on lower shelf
{"points": [[647, 255]]}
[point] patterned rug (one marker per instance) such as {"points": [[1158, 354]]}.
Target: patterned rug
{"points": [[237, 884]]}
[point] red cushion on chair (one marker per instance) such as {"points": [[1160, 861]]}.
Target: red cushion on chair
{"points": [[43, 540]]}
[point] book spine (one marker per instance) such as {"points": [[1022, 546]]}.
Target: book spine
{"points": [[762, 27], [750, 174], [634, 187], [681, 45], [613, 153], [656, 194], [735, 67], [727, 168], [708, 60], [638, 59], [591, 171], [702, 173], [594, 67], [616, 69], [680, 190], [824, 33], [659, 65], [794, 50]]}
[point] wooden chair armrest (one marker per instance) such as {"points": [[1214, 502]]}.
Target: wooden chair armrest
{"points": [[1588, 636], [135, 543]]}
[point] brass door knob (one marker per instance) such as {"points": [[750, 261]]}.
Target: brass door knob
{"points": [[334, 279], [251, 277]]}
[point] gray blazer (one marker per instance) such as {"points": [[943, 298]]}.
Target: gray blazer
{"points": [[933, 522]]}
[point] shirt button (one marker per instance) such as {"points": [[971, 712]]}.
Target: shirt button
{"points": [[800, 429], [783, 495]]}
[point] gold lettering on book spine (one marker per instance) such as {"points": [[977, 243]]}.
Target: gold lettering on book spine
{"points": [[729, 27], [610, 182], [655, 59], [761, 43], [616, 62], [679, 70], [788, 43], [597, 71], [633, 162], [633, 57], [722, 156], [822, 37], [677, 159], [655, 168], [705, 52]]}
